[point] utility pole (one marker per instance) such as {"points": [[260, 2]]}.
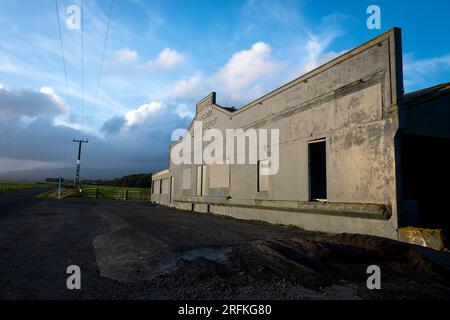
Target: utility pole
{"points": [[59, 187], [80, 142]]}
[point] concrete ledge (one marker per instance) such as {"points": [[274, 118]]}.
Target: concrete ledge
{"points": [[431, 238], [184, 206], [312, 222], [354, 210], [201, 207], [370, 219]]}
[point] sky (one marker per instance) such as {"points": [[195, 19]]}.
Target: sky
{"points": [[162, 57]]}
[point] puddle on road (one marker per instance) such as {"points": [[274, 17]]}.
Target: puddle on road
{"points": [[214, 254]]}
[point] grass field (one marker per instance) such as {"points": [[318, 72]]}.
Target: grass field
{"points": [[110, 192], [17, 186]]}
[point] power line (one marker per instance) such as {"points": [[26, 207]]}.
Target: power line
{"points": [[103, 56], [82, 60], [62, 53]]}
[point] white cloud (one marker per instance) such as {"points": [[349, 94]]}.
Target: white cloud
{"points": [[168, 59], [315, 51], [190, 88], [55, 98], [126, 55], [245, 67], [422, 72], [127, 61], [184, 110], [239, 79], [250, 73], [139, 115]]}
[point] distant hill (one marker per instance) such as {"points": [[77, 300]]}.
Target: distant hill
{"points": [[40, 175], [142, 180]]}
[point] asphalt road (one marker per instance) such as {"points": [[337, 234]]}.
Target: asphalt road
{"points": [[11, 202], [134, 250]]}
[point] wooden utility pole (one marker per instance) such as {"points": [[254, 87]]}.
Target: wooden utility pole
{"points": [[80, 142]]}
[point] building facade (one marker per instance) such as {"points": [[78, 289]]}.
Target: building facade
{"points": [[340, 129]]}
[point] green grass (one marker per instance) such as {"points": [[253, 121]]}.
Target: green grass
{"points": [[18, 186], [110, 192]]}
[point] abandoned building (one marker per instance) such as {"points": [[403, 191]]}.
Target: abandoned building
{"points": [[356, 154]]}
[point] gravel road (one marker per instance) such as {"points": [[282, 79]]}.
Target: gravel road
{"points": [[134, 250]]}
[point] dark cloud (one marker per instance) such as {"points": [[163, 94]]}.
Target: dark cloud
{"points": [[27, 102], [142, 147], [113, 125]]}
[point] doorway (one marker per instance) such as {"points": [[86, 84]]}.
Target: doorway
{"points": [[425, 176], [317, 170]]}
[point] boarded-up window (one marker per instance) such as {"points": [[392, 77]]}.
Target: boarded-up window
{"points": [[263, 180], [187, 178], [157, 186], [219, 176], [199, 181], [165, 186]]}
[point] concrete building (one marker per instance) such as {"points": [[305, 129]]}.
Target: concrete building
{"points": [[356, 154]]}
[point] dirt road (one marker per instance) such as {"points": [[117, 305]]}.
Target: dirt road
{"points": [[133, 250]]}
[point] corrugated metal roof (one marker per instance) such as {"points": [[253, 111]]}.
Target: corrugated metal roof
{"points": [[425, 95]]}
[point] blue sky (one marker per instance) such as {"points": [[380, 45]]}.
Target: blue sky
{"points": [[163, 56]]}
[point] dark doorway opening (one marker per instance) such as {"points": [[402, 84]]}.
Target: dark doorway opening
{"points": [[318, 171], [425, 182]]}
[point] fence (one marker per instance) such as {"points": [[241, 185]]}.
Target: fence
{"points": [[115, 194], [5, 187]]}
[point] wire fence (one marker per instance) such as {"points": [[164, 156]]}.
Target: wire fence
{"points": [[115, 194], [6, 187]]}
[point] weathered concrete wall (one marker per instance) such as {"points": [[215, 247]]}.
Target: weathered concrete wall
{"points": [[352, 103], [161, 194]]}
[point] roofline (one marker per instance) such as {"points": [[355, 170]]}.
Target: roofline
{"points": [[430, 94], [304, 78], [215, 106], [368, 44], [160, 173], [443, 84]]}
